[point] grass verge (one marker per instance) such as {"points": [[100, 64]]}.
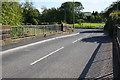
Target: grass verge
{"points": [[89, 25]]}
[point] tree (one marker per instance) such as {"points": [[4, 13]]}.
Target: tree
{"points": [[11, 13], [95, 13], [50, 15], [0, 12], [31, 15], [68, 9], [111, 21]]}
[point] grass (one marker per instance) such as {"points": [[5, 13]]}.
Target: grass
{"points": [[89, 25]]}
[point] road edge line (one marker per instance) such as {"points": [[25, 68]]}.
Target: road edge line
{"points": [[28, 45]]}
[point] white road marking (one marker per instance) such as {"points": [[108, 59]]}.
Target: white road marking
{"points": [[77, 40], [21, 47], [81, 38], [67, 36], [28, 45], [46, 56]]}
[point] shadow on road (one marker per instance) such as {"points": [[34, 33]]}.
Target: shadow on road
{"points": [[102, 77], [101, 40], [87, 67], [97, 39], [100, 31]]}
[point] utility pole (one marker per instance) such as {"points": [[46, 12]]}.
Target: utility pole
{"points": [[117, 9], [117, 5], [73, 13]]}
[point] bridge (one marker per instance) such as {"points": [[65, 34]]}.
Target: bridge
{"points": [[86, 53]]}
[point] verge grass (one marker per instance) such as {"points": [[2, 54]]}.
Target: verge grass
{"points": [[89, 25]]}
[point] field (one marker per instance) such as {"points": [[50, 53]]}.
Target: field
{"points": [[89, 25]]}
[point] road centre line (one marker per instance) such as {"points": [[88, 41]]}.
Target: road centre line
{"points": [[76, 40], [46, 56], [32, 44], [80, 39]]}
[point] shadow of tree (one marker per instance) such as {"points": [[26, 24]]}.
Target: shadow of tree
{"points": [[101, 40], [98, 31], [87, 67], [97, 39]]}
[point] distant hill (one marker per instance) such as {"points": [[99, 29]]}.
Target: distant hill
{"points": [[87, 13]]}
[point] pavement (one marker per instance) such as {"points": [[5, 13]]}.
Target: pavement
{"points": [[88, 54]]}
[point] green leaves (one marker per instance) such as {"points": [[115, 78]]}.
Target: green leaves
{"points": [[14, 13], [30, 14], [111, 20], [11, 13], [69, 9]]}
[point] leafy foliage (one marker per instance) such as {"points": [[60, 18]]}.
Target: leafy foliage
{"points": [[69, 9], [11, 13], [30, 14], [14, 13], [111, 20]]}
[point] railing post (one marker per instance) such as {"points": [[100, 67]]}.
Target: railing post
{"points": [[35, 30], [43, 29]]}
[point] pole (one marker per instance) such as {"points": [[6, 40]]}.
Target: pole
{"points": [[73, 14], [117, 5], [117, 8]]}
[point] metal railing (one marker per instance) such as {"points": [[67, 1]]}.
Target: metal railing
{"points": [[33, 30], [13, 34]]}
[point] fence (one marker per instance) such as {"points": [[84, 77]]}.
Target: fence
{"points": [[116, 47], [5, 34], [10, 33], [33, 30]]}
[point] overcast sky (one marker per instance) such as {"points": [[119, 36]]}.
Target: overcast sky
{"points": [[89, 5]]}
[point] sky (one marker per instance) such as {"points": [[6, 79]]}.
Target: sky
{"points": [[89, 5]]}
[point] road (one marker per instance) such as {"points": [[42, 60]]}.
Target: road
{"points": [[59, 57]]}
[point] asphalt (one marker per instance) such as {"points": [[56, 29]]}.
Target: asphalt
{"points": [[69, 57]]}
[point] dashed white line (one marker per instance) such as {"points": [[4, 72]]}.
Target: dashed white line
{"points": [[67, 36], [28, 45], [80, 39], [76, 40], [46, 56]]}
